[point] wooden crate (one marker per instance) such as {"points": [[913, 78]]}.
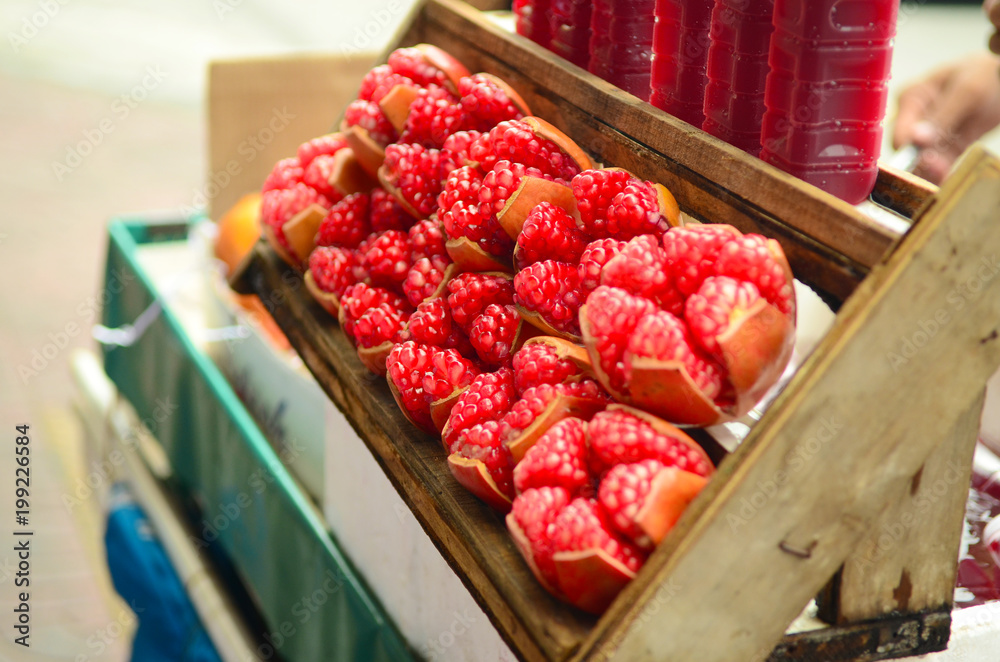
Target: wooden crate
{"points": [[873, 435]]}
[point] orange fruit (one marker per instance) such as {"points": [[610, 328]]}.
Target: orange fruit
{"points": [[238, 230]]}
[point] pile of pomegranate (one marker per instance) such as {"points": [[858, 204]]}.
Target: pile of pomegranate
{"points": [[551, 321]]}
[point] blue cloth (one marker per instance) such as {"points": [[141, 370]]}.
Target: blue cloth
{"points": [[169, 629]]}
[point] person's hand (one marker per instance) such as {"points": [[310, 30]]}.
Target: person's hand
{"points": [[992, 9], [948, 110]]}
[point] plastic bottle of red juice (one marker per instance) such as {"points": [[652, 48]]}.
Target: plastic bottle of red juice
{"points": [[570, 29], [621, 43], [532, 20], [680, 55], [737, 70], [826, 93]]}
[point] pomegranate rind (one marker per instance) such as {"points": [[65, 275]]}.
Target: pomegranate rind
{"points": [[515, 98], [441, 409], [300, 231], [666, 389], [531, 191], [562, 406], [668, 429], [590, 342], [349, 175], [668, 205], [755, 351], [473, 475], [374, 358], [268, 232], [395, 104], [671, 491], [590, 579], [535, 318], [402, 407], [328, 300], [470, 256], [453, 69], [450, 272], [389, 184], [524, 333], [368, 152], [543, 129], [566, 349], [528, 554]]}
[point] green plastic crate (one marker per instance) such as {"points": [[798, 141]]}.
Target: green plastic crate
{"points": [[314, 604]]}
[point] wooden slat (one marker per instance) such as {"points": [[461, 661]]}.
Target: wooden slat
{"points": [[893, 637], [784, 511], [902, 192], [907, 562], [830, 244], [470, 536], [489, 5]]}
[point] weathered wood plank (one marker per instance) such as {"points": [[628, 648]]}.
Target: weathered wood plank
{"points": [[901, 191], [787, 508], [898, 636], [489, 5], [470, 536], [907, 562]]}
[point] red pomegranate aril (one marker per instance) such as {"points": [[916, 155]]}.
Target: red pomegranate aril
{"points": [[718, 302], [664, 337], [470, 293], [488, 398], [346, 224], [538, 363], [485, 102], [369, 116], [424, 278], [387, 214], [550, 289], [596, 254], [549, 233], [558, 459], [387, 259], [494, 334], [333, 269], [610, 317], [617, 437]]}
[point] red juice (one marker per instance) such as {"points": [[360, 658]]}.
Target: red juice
{"points": [[570, 29], [826, 93], [978, 575], [680, 57], [621, 43], [737, 70], [532, 20]]}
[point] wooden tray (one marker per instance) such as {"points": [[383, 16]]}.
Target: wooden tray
{"points": [[715, 590]]}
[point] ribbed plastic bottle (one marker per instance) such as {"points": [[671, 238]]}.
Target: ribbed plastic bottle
{"points": [[826, 93], [680, 56], [737, 71], [531, 19], [621, 43], [570, 29]]}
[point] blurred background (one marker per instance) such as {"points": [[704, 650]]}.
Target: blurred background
{"points": [[102, 109], [127, 79]]}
